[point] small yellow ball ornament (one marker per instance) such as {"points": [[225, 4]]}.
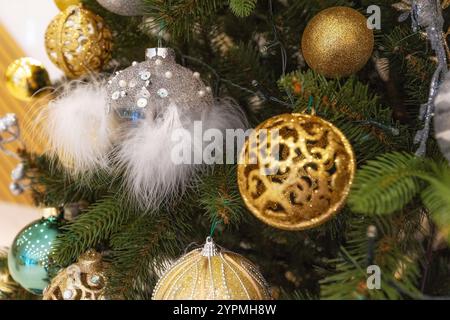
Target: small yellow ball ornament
{"points": [[84, 280], [209, 273], [64, 4], [27, 78], [295, 171], [78, 42], [337, 42]]}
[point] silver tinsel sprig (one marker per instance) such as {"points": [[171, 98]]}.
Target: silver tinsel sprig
{"points": [[9, 133], [427, 14]]}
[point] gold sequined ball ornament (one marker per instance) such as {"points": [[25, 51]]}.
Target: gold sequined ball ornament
{"points": [[211, 273], [83, 280], [78, 42], [26, 79], [64, 4], [295, 171], [337, 42]]}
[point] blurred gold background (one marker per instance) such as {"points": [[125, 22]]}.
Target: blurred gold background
{"points": [[9, 51]]}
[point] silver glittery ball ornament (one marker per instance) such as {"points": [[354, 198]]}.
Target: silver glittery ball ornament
{"points": [[145, 90], [442, 117], [161, 107], [123, 7]]}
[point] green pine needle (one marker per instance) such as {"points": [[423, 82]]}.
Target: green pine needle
{"points": [[386, 184], [242, 8]]}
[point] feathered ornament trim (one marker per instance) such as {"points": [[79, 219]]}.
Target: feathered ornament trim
{"points": [[165, 109], [77, 127], [162, 127], [162, 156]]}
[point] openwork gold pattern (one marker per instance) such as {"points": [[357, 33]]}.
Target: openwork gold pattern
{"points": [[78, 41], [209, 273], [84, 280], [313, 170]]}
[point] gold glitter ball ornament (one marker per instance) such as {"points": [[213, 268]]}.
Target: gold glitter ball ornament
{"points": [[64, 4], [83, 280], [337, 42], [26, 79], [78, 42], [295, 171], [210, 273]]}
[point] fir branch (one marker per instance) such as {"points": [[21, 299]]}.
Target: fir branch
{"points": [[386, 184], [397, 262], [350, 106], [436, 197], [98, 223], [179, 16], [242, 8], [141, 251], [220, 197]]}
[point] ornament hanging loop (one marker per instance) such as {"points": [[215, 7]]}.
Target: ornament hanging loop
{"points": [[210, 248], [164, 53], [160, 33]]}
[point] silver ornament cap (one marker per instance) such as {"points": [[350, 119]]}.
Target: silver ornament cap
{"points": [[164, 53], [210, 248]]}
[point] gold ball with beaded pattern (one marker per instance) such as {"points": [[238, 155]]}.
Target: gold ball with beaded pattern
{"points": [[210, 273], [295, 171], [78, 42], [83, 280], [337, 42]]}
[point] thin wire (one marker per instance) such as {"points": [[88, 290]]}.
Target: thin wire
{"points": [[214, 226], [276, 41], [219, 79], [160, 32]]}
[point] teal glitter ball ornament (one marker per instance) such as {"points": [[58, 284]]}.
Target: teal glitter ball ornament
{"points": [[30, 260]]}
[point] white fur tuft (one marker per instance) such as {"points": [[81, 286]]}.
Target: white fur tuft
{"points": [[146, 152], [78, 129]]}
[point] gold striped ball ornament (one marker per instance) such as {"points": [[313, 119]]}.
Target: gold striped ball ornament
{"points": [[295, 171], [83, 280], [337, 42], [27, 79], [64, 4], [211, 273], [78, 42]]}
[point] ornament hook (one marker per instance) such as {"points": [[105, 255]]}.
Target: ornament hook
{"points": [[210, 248]]}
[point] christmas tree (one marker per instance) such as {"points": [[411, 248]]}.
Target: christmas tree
{"points": [[350, 199]]}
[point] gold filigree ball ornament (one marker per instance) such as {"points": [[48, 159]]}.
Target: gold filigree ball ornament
{"points": [[83, 280], [337, 42], [212, 273], [295, 171], [26, 79], [64, 4], [78, 42], [123, 7]]}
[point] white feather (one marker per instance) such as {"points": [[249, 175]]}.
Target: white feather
{"points": [[78, 129], [145, 154]]}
